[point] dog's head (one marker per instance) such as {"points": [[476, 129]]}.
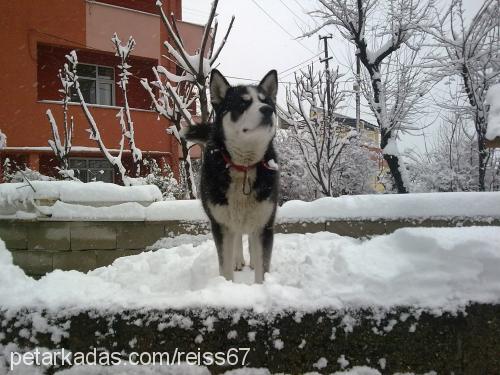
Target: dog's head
{"points": [[247, 113]]}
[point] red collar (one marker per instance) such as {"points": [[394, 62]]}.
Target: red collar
{"points": [[243, 168]]}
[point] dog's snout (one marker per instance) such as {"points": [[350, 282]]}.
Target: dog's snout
{"points": [[266, 110]]}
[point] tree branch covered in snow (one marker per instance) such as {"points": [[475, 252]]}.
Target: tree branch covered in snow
{"points": [[123, 52], [470, 51], [3, 140], [62, 149], [375, 42], [123, 115], [452, 164], [321, 141], [173, 93]]}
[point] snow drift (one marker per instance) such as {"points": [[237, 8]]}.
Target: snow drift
{"points": [[441, 269]]}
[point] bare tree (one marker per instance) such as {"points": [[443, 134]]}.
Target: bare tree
{"points": [[126, 124], [123, 52], [451, 164], [470, 51], [397, 28], [62, 149], [321, 141], [179, 92]]}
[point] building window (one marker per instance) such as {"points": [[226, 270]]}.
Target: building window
{"points": [[97, 84], [88, 170]]}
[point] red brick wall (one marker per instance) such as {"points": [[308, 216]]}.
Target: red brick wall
{"points": [[148, 6], [52, 58]]}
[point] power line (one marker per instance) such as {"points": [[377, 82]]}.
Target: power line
{"points": [[292, 11], [301, 63], [280, 26]]}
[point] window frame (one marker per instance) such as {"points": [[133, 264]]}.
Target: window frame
{"points": [[88, 169], [98, 79]]}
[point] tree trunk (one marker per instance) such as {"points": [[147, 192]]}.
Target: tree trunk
{"points": [[187, 169], [393, 163], [482, 156]]}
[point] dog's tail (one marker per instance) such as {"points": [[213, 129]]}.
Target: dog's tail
{"points": [[196, 133]]}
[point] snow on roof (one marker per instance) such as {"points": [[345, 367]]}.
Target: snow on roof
{"points": [[439, 269]]}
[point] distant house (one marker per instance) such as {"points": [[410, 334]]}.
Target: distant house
{"points": [[370, 133], [36, 36]]}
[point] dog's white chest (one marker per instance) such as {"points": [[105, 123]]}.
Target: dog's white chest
{"points": [[243, 213]]}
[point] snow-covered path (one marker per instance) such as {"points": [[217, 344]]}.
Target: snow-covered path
{"points": [[432, 268]]}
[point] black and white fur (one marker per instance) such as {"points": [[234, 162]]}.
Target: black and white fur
{"points": [[243, 130]]}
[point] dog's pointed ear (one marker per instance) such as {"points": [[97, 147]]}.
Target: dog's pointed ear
{"points": [[218, 87], [270, 84]]}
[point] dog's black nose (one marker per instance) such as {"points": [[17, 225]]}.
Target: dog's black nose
{"points": [[266, 110]]}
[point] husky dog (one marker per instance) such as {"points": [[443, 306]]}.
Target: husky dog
{"points": [[239, 175]]}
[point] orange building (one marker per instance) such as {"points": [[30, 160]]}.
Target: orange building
{"points": [[36, 36]]}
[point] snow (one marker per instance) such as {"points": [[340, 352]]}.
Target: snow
{"points": [[493, 99], [395, 206], [438, 269], [392, 148], [3, 140], [342, 361], [321, 363], [22, 197], [483, 205]]}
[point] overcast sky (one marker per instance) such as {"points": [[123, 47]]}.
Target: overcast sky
{"points": [[264, 37]]}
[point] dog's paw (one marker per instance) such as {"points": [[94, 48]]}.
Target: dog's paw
{"points": [[239, 265]]}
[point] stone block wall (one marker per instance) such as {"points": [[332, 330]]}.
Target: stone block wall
{"points": [[292, 342]]}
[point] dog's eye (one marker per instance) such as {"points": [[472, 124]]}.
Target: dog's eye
{"points": [[245, 102]]}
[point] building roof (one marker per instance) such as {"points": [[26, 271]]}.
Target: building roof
{"points": [[339, 118], [351, 122]]}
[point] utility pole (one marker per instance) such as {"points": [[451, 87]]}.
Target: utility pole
{"points": [[327, 68], [358, 94]]}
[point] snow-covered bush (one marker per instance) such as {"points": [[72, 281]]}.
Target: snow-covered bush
{"points": [[163, 177], [295, 182], [453, 164], [14, 173], [355, 172]]}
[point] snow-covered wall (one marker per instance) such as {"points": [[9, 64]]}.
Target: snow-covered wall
{"points": [[30, 200], [77, 202]]}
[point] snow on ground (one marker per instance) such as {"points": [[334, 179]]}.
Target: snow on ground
{"points": [[384, 206], [439, 269]]}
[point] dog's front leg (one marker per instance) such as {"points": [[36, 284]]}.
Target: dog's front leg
{"points": [[239, 260], [224, 242], [262, 244], [226, 267]]}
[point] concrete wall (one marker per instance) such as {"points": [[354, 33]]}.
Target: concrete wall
{"points": [[466, 343], [41, 246]]}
